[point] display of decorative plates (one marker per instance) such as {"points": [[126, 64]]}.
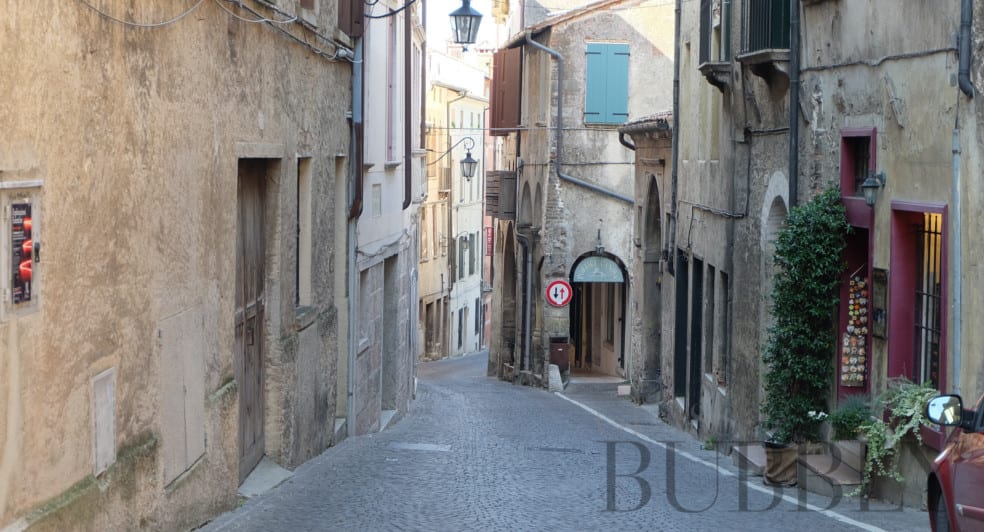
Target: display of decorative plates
{"points": [[853, 352]]}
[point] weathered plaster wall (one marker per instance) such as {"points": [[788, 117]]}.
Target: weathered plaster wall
{"points": [[134, 133], [571, 215]]}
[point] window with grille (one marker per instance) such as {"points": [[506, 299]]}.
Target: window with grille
{"points": [[767, 25], [928, 300]]}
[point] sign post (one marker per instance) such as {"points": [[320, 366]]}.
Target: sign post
{"points": [[559, 293]]}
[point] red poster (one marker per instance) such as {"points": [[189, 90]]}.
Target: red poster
{"points": [[489, 240], [22, 246]]}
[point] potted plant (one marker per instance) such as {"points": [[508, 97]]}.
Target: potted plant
{"points": [[846, 442], [801, 340], [904, 404], [846, 420]]}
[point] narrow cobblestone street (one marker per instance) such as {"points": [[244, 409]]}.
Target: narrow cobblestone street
{"points": [[480, 454]]}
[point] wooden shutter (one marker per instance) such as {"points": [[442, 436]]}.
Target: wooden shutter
{"points": [[351, 17], [504, 106], [606, 99]]}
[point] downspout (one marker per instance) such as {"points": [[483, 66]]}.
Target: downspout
{"points": [[559, 127], [626, 143], [355, 210], [966, 16], [670, 251], [407, 109], [794, 91]]}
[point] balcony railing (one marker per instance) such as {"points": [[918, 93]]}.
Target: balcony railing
{"points": [[767, 25]]}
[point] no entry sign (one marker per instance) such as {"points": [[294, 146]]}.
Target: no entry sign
{"points": [[559, 293]]}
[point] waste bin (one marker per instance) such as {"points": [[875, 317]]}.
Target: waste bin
{"points": [[560, 353]]}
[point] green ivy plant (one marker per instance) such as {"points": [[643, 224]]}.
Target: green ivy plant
{"points": [[802, 340], [905, 403]]}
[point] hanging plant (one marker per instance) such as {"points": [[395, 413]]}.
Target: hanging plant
{"points": [[802, 341]]}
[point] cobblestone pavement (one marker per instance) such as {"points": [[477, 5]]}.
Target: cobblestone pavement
{"points": [[476, 453]]}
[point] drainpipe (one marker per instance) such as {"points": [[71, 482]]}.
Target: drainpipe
{"points": [[794, 92], [966, 17], [559, 127], [407, 110], [670, 251], [957, 258], [351, 240], [624, 142]]}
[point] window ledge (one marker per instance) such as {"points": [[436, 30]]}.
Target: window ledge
{"points": [[717, 73], [767, 63]]}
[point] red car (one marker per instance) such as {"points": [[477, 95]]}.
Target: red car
{"points": [[956, 481]]}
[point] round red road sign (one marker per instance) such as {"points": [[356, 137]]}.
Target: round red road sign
{"points": [[559, 293]]}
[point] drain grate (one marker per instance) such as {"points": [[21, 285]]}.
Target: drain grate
{"points": [[555, 450]]}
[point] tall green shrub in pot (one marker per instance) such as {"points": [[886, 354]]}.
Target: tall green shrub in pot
{"points": [[801, 343]]}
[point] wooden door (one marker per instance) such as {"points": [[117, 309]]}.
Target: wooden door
{"points": [[250, 252]]}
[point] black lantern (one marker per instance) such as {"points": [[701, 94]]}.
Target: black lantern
{"points": [[871, 186], [468, 166], [464, 24]]}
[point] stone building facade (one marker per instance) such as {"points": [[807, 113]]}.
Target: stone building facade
{"points": [[575, 77], [173, 178]]}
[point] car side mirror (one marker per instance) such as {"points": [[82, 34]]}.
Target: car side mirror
{"points": [[945, 410]]}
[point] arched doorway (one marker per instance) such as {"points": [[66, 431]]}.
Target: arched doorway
{"points": [[652, 297], [509, 303], [598, 313]]}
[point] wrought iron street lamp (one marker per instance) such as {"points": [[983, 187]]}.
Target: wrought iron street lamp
{"points": [[464, 23], [870, 187]]}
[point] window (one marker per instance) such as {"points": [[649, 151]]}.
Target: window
{"points": [[607, 84], [857, 151], [462, 245], [471, 254], [302, 269], [917, 290], [715, 18], [928, 299], [461, 331], [424, 232], [768, 25], [610, 312]]}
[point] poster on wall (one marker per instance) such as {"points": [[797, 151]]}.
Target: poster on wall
{"points": [[22, 247], [854, 351]]}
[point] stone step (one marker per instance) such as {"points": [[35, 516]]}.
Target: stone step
{"points": [[750, 458], [826, 474]]}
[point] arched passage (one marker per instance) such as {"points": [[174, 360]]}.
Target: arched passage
{"points": [[652, 316], [600, 283]]}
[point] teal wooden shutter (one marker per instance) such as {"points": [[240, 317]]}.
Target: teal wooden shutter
{"points": [[618, 84], [606, 99], [594, 90]]}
